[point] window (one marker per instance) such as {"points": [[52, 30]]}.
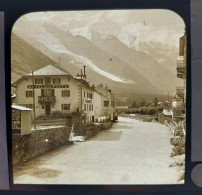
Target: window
{"points": [[112, 103], [31, 106], [92, 107], [47, 80], [56, 81], [42, 107], [106, 103], [65, 93], [38, 81], [65, 106], [90, 95], [47, 92], [85, 107], [29, 93], [84, 94]]}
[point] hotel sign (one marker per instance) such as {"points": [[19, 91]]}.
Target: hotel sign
{"points": [[46, 98], [46, 86]]}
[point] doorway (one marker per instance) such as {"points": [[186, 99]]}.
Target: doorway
{"points": [[48, 109]]}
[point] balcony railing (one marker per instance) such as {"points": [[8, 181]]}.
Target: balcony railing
{"points": [[180, 91], [180, 64], [47, 99], [181, 75], [181, 68]]}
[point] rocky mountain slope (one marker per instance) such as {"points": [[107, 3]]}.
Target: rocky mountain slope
{"points": [[25, 58]]}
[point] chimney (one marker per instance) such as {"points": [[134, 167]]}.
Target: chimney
{"points": [[84, 72]]}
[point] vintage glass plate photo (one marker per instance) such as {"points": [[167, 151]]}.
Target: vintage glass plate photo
{"points": [[99, 97]]}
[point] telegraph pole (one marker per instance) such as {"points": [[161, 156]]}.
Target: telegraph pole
{"points": [[33, 100], [168, 96], [81, 88], [81, 75], [59, 62]]}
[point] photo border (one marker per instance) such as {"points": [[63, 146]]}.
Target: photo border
{"points": [[14, 9]]}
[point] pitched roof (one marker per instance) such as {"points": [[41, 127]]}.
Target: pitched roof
{"points": [[49, 70], [20, 107]]}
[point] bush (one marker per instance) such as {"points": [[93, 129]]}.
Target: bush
{"points": [[132, 111], [144, 110], [147, 111]]}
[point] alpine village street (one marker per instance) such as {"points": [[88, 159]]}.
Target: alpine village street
{"points": [[131, 152]]}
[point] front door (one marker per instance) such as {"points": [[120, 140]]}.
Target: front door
{"points": [[48, 109]]}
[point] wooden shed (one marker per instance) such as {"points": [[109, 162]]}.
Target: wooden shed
{"points": [[21, 120]]}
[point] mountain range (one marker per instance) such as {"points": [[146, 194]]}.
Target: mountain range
{"points": [[141, 67]]}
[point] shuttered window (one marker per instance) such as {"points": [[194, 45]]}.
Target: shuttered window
{"points": [[90, 95], [38, 81], [65, 93], [106, 103], [29, 93], [65, 106], [56, 81]]}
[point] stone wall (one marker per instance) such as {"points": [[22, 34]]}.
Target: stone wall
{"points": [[178, 151], [94, 129], [27, 147]]}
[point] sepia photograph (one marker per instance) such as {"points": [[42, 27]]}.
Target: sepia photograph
{"points": [[99, 97]]}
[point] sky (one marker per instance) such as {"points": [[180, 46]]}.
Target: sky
{"points": [[148, 25]]}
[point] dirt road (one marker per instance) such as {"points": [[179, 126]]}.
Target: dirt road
{"points": [[131, 152]]}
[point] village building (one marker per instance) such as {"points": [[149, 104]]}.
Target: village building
{"points": [[53, 91], [104, 102], [179, 101], [85, 95]]}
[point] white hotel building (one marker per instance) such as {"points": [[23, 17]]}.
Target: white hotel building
{"points": [[54, 91]]}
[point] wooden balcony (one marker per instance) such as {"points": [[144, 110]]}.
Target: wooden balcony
{"points": [[181, 69], [181, 75], [46, 99], [181, 65], [180, 91]]}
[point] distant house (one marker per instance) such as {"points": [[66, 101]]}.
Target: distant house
{"points": [[168, 113], [104, 102]]}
